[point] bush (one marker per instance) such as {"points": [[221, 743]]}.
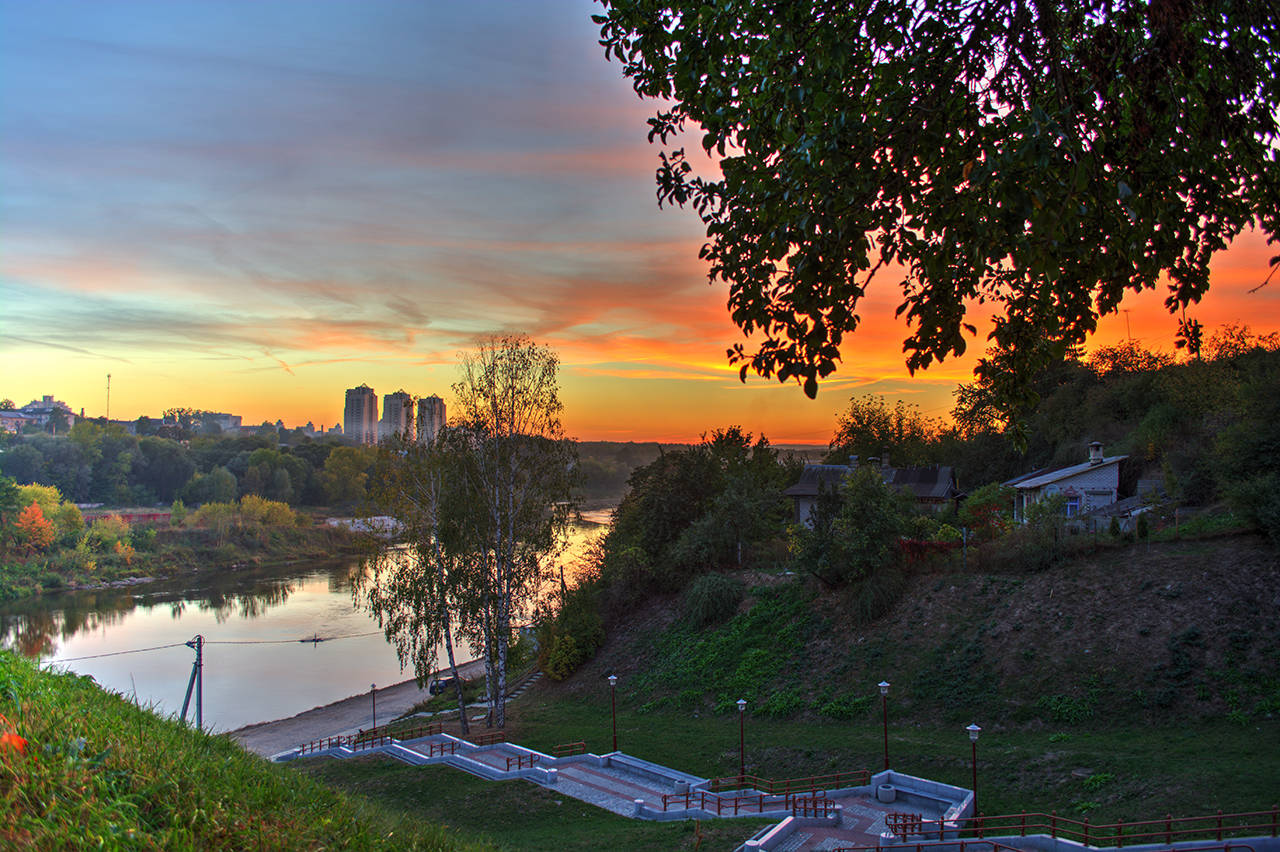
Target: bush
{"points": [[268, 513], [568, 638], [711, 599], [107, 532]]}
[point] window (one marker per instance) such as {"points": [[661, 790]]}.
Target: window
{"points": [[1073, 505]]}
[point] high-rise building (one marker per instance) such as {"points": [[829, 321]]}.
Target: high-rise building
{"points": [[397, 416], [431, 417], [360, 416]]}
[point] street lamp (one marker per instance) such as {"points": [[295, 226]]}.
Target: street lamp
{"points": [[613, 707], [373, 696], [742, 741], [974, 730], [884, 705]]}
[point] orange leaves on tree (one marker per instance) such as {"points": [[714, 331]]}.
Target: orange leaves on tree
{"points": [[35, 531]]}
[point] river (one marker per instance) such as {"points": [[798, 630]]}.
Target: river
{"points": [[257, 665]]}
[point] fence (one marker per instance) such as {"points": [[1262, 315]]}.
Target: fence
{"points": [[567, 749], [385, 735], [966, 845], [853, 778], [813, 804], [522, 761], [1166, 830]]}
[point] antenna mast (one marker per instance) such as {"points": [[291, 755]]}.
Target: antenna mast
{"points": [[108, 397]]}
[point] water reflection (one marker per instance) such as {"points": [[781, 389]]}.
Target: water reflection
{"points": [[256, 667]]}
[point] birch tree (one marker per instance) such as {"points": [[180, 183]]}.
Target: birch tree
{"points": [[422, 593], [520, 465]]}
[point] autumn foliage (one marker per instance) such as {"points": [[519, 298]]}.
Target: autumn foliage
{"points": [[34, 530]]}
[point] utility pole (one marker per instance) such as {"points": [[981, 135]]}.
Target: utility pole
{"points": [[108, 397], [197, 681]]}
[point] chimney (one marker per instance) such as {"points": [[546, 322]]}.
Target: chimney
{"points": [[1095, 452], [884, 458]]}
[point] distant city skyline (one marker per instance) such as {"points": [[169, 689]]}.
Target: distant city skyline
{"points": [[251, 207]]}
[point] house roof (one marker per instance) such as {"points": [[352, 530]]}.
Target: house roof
{"points": [[1042, 479], [938, 482], [816, 477], [921, 482]]}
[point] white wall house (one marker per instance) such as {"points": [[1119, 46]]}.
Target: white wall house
{"points": [[1087, 486]]}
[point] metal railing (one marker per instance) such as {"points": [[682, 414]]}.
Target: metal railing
{"points": [[1165, 830], [966, 845], [522, 761], [488, 739], [566, 749], [904, 825], [758, 804], [440, 749], [372, 738], [813, 783]]}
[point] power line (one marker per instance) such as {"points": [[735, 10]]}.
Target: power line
{"points": [[118, 653], [314, 639]]}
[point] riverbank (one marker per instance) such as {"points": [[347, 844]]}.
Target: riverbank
{"points": [[161, 554], [339, 717]]}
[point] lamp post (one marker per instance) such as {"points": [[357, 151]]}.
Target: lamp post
{"points": [[884, 705], [974, 730], [373, 697], [742, 740], [613, 707]]}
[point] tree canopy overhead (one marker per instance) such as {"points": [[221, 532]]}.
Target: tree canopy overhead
{"points": [[1046, 157]]}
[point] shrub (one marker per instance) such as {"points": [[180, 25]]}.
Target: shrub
{"points": [[34, 532], [177, 513], [269, 513], [107, 532], [711, 598]]}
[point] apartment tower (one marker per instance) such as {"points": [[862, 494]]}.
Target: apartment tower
{"points": [[360, 416], [397, 416], [430, 417]]}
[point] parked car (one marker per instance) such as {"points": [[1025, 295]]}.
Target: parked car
{"points": [[440, 684]]}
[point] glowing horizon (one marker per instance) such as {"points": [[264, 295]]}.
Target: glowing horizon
{"points": [[251, 209]]}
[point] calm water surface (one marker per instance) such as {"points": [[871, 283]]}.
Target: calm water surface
{"points": [[255, 667]]}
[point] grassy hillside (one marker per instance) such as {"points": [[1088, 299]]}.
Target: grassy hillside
{"points": [[80, 767], [1125, 685]]}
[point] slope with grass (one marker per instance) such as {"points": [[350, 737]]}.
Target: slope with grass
{"points": [[81, 767]]}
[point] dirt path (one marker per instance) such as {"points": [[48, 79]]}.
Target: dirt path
{"points": [[340, 717]]}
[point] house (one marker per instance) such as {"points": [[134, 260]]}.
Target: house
{"points": [[15, 421], [933, 488], [1087, 486]]}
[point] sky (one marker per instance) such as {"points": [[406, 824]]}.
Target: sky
{"points": [[250, 207]]}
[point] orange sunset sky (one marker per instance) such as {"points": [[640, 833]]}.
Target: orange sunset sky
{"points": [[252, 207]]}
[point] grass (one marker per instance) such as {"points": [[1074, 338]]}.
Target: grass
{"points": [[81, 767]]}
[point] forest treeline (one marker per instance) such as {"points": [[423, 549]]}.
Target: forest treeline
{"points": [[92, 462]]}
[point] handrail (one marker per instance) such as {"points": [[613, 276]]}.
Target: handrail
{"points": [[383, 735], [567, 749], [1164, 830], [850, 778], [522, 761], [759, 803], [489, 739]]}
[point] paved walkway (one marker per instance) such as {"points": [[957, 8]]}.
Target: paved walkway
{"points": [[632, 787]]}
